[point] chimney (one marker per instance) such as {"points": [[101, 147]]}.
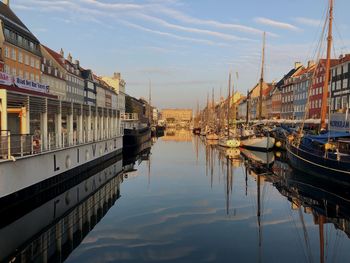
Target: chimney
{"points": [[69, 58], [62, 52], [116, 75], [310, 63], [297, 65], [7, 2]]}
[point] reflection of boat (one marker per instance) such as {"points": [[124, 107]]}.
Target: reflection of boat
{"points": [[233, 153], [212, 136], [48, 227], [258, 157], [328, 202]]}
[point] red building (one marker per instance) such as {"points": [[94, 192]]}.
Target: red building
{"points": [[317, 89]]}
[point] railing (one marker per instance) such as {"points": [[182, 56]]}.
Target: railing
{"points": [[129, 116], [19, 145]]}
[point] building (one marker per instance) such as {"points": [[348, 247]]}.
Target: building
{"points": [[287, 95], [254, 98], [340, 90], [118, 84], [242, 109], [74, 79], [53, 73], [20, 49], [267, 101], [89, 87], [301, 83], [177, 115]]}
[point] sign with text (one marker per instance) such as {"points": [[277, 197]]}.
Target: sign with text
{"points": [[8, 80], [339, 122], [31, 85]]}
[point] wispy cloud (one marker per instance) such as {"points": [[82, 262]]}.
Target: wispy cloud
{"points": [[275, 23], [308, 21]]}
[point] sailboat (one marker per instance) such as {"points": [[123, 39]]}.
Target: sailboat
{"points": [[226, 140], [326, 154], [248, 139]]}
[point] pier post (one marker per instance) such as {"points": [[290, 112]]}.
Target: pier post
{"points": [[58, 126], [102, 124], [89, 124], [70, 125], [80, 125], [108, 124], [3, 109], [43, 127], [96, 124]]}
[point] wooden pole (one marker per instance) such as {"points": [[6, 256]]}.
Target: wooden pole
{"points": [[323, 125]]}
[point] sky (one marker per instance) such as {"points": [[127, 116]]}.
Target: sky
{"points": [[185, 48]]}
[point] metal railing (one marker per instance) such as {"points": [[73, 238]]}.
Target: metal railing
{"points": [[129, 116], [19, 145]]}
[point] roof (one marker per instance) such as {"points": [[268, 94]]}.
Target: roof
{"points": [[324, 137], [12, 21], [288, 75], [55, 55]]}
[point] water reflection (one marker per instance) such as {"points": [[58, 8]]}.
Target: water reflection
{"points": [[190, 201], [56, 226]]}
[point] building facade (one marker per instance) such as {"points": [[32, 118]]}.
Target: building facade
{"points": [[53, 73], [287, 93], [20, 48], [301, 84], [340, 90]]}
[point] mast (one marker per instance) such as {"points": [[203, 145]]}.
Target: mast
{"points": [[234, 107], [262, 77], [213, 109], [149, 102], [247, 115], [323, 125], [228, 106]]}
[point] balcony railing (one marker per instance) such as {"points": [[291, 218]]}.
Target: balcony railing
{"points": [[13, 146]]}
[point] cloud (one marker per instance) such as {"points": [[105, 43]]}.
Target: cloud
{"points": [[274, 23], [308, 21], [171, 35], [164, 23]]}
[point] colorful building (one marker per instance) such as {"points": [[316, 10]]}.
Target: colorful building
{"points": [[340, 90], [301, 84], [287, 94], [20, 49]]}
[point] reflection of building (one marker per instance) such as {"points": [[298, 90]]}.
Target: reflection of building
{"points": [[177, 135], [63, 216], [177, 115]]}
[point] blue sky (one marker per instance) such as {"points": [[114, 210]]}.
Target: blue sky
{"points": [[185, 47]]}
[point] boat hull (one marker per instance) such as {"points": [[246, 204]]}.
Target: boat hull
{"points": [[38, 172], [309, 163], [133, 138], [259, 143], [232, 143]]}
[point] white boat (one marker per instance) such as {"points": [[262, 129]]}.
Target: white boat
{"points": [[263, 143]]}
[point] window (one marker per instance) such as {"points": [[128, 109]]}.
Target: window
{"points": [[13, 54], [345, 83], [7, 52], [37, 64], [31, 76], [20, 40], [14, 72], [7, 32], [20, 57], [26, 74], [344, 102], [26, 59], [37, 78], [20, 73], [7, 69], [338, 84], [32, 62], [337, 103]]}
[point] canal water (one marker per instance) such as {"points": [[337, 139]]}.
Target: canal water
{"points": [[188, 201]]}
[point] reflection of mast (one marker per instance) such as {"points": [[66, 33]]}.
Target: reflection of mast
{"points": [[259, 214], [149, 171], [246, 181], [227, 185], [149, 102], [321, 220]]}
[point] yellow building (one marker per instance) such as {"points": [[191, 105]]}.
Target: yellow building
{"points": [[177, 115], [20, 49]]}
